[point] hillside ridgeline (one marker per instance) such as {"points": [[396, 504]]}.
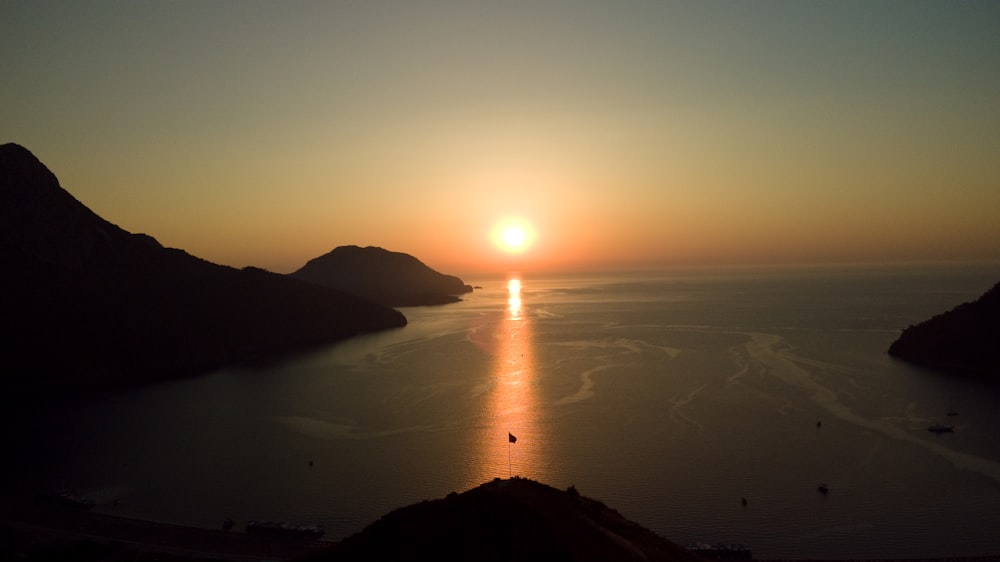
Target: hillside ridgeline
{"points": [[516, 519], [87, 303], [388, 278], [964, 340]]}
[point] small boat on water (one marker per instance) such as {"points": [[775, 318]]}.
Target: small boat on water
{"points": [[941, 428], [737, 551]]}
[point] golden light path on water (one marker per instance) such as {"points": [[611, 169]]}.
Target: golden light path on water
{"points": [[511, 406]]}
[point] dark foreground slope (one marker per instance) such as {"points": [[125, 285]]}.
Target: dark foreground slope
{"points": [[86, 302], [389, 278], [503, 520], [964, 340], [514, 519]]}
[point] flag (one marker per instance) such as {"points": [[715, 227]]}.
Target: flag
{"points": [[511, 438]]}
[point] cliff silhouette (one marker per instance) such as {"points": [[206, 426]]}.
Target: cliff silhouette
{"points": [[88, 303], [516, 519], [388, 278], [964, 340]]}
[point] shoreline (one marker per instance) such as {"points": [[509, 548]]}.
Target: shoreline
{"points": [[34, 525], [31, 525]]}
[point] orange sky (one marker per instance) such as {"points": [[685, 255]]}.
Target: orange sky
{"points": [[647, 135]]}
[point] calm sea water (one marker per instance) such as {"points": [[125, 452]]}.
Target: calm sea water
{"points": [[668, 396]]}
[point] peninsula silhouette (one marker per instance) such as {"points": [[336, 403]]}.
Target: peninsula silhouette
{"points": [[388, 278], [87, 303], [964, 340]]}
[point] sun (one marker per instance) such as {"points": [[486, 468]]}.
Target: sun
{"points": [[514, 236]]}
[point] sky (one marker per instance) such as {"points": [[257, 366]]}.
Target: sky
{"points": [[623, 134]]}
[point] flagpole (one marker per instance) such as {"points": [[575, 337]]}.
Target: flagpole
{"points": [[510, 439]]}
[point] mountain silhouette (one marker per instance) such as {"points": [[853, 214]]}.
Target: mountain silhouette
{"points": [[965, 339], [515, 519], [88, 303], [389, 278]]}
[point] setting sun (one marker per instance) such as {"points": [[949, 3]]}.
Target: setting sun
{"points": [[513, 236]]}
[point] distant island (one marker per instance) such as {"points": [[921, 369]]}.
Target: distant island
{"points": [[388, 278], [87, 303], [964, 340]]}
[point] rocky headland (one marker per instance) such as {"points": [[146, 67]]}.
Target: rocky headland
{"points": [[964, 340], [388, 278], [87, 303]]}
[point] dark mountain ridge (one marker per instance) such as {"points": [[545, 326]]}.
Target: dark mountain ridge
{"points": [[963, 340], [516, 519], [389, 278], [88, 303]]}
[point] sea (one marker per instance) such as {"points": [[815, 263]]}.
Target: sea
{"points": [[707, 405]]}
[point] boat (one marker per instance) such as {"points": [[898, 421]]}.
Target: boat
{"points": [[720, 551], [285, 529], [941, 428]]}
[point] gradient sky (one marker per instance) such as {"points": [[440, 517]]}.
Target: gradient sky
{"points": [[629, 134]]}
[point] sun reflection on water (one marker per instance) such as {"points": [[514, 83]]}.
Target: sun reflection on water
{"points": [[514, 298], [511, 406]]}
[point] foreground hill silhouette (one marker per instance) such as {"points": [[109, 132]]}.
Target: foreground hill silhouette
{"points": [[87, 303], [389, 278], [964, 340], [502, 520], [515, 519]]}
